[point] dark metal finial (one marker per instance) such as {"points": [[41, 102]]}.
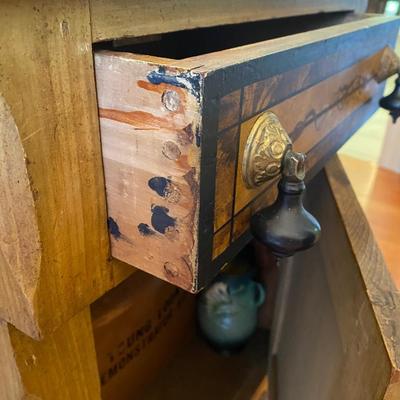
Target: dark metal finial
{"points": [[392, 101]]}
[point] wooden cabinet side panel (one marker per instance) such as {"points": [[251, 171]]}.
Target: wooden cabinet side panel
{"points": [[61, 366], [330, 345], [47, 80], [383, 295]]}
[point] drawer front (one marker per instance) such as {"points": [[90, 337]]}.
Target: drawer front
{"points": [[318, 108], [173, 134]]}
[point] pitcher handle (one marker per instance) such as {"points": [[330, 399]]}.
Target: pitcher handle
{"points": [[260, 294]]}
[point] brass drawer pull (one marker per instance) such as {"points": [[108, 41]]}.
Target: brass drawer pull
{"points": [[286, 226]]}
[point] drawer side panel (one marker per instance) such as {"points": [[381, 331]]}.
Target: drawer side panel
{"points": [[150, 124]]}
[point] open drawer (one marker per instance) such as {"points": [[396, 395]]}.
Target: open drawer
{"points": [[175, 114]]}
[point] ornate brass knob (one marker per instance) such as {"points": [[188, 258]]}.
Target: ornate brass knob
{"points": [[285, 227], [392, 101]]}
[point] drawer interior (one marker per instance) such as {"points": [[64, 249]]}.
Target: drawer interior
{"points": [[189, 43]]}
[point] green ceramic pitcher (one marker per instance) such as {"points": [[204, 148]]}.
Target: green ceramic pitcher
{"points": [[227, 311]]}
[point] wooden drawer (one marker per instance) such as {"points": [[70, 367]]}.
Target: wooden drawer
{"points": [[174, 124]]}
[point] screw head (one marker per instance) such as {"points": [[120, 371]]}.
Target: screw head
{"points": [[171, 100]]}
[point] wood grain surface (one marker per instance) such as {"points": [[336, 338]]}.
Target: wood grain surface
{"points": [[221, 240], [150, 139], [378, 192], [20, 247], [349, 33], [225, 176], [320, 125], [49, 117], [383, 294], [61, 366], [318, 110], [117, 18], [12, 387], [138, 328]]}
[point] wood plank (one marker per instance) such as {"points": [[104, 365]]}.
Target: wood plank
{"points": [[225, 176], [382, 292], [73, 361], [339, 350], [117, 18], [151, 155], [10, 377], [61, 366], [51, 168], [20, 246]]}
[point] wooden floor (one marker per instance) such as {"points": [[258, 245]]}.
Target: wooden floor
{"points": [[378, 191]]}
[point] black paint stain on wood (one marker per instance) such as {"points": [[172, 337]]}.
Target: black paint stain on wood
{"points": [[145, 230], [186, 80], [198, 137], [160, 220], [113, 228], [161, 185]]}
